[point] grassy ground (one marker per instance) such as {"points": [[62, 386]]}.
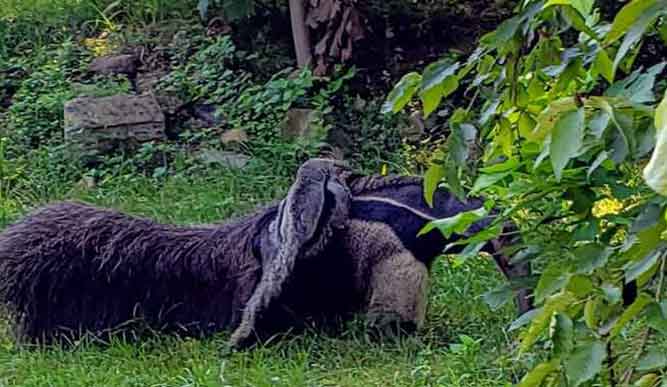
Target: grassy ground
{"points": [[463, 343]]}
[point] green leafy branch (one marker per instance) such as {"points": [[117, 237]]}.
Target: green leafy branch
{"points": [[564, 134]]}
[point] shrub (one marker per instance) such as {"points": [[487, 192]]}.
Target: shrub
{"points": [[558, 129]]}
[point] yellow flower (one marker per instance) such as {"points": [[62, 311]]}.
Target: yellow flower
{"points": [[607, 206]]}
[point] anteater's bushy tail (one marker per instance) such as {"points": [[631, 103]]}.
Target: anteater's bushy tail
{"points": [[70, 268]]}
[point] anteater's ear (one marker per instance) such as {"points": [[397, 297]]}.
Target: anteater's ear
{"points": [[317, 203]]}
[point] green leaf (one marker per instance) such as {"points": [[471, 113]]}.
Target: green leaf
{"points": [[652, 361], [640, 244], [585, 363], [563, 334], [549, 116], [526, 124], [502, 34], [584, 7], [498, 297], [453, 181], [590, 313], [536, 376], [661, 114], [648, 380], [438, 81], [402, 93], [471, 250], [635, 269], [650, 216], [508, 165], [655, 172], [490, 108], [554, 304], [437, 72], [627, 17], [583, 200], [504, 137], [662, 31], [604, 65], [487, 180], [599, 123], [431, 99], [486, 234], [656, 316], [639, 26], [524, 319], [432, 179], [566, 140], [611, 293], [578, 21], [554, 277], [505, 32], [630, 313], [460, 141], [580, 285], [458, 223], [590, 257], [636, 87]]}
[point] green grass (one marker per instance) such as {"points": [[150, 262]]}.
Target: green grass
{"points": [[462, 344]]}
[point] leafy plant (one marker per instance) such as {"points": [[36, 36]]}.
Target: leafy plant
{"points": [[37, 111], [557, 130], [212, 75], [216, 75]]}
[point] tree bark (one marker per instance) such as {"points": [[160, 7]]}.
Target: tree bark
{"points": [[300, 33]]}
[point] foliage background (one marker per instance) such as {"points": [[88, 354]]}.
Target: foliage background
{"points": [[561, 121]]}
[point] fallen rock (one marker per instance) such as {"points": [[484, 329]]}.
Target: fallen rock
{"points": [[98, 124], [234, 136], [114, 64], [299, 123], [228, 159]]}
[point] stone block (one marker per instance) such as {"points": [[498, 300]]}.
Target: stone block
{"points": [[114, 64], [97, 124]]}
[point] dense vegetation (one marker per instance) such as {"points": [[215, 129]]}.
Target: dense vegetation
{"points": [[557, 118], [558, 133]]}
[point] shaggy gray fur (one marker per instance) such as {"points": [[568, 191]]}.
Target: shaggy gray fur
{"points": [[70, 268]]}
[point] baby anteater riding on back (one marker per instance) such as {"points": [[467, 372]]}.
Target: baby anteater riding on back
{"points": [[338, 244]]}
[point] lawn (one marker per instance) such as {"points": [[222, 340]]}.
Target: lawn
{"points": [[464, 343]]}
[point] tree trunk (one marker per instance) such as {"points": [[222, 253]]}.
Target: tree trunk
{"points": [[300, 33]]}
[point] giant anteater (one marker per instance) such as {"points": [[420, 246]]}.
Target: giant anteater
{"points": [[338, 244]]}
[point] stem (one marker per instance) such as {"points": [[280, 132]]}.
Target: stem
{"points": [[472, 100]]}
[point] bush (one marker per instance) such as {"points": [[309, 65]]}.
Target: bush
{"points": [[559, 126]]}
